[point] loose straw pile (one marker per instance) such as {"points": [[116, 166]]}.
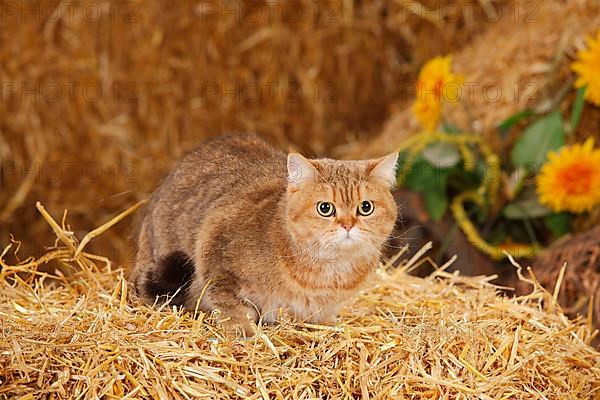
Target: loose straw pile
{"points": [[78, 335]]}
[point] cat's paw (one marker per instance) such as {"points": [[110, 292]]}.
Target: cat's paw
{"points": [[323, 319], [240, 328]]}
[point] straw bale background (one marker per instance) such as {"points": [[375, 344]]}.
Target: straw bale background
{"points": [[522, 61], [99, 98]]}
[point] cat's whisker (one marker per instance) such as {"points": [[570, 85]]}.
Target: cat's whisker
{"points": [[401, 236], [394, 247], [375, 248], [412, 228], [316, 245], [377, 237]]}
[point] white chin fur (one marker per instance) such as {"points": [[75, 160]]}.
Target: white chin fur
{"points": [[353, 234], [342, 243], [347, 239]]}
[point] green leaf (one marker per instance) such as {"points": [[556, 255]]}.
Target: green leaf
{"points": [[537, 140], [461, 180], [450, 128], [436, 202], [431, 181], [504, 126], [442, 155], [418, 175], [577, 109], [525, 209], [559, 224], [423, 176]]}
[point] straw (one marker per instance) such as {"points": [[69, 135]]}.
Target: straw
{"points": [[446, 336]]}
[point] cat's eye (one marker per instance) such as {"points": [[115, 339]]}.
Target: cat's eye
{"points": [[366, 208], [325, 209]]}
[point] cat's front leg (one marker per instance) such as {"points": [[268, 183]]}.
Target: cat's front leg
{"points": [[326, 316], [238, 317]]}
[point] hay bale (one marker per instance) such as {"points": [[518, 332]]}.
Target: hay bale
{"points": [[444, 336], [575, 261], [98, 99]]}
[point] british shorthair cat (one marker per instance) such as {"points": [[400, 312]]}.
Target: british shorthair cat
{"points": [[240, 227]]}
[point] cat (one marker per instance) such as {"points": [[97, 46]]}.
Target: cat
{"points": [[240, 227]]}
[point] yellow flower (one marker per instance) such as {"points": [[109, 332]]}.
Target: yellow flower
{"points": [[570, 180], [427, 113], [587, 67], [436, 83]]}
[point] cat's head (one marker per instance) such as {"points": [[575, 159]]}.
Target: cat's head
{"points": [[340, 208]]}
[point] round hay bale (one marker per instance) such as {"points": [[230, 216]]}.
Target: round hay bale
{"points": [[579, 255]]}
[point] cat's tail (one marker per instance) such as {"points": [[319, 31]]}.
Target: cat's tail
{"points": [[168, 279], [162, 280]]}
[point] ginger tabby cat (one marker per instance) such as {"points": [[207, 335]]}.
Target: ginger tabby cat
{"points": [[241, 228]]}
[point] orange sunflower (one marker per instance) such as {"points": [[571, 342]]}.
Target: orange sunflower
{"points": [[587, 68], [570, 180]]}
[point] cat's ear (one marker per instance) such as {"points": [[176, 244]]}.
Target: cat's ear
{"points": [[300, 170], [384, 169]]}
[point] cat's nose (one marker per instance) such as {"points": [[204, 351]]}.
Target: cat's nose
{"points": [[347, 222]]}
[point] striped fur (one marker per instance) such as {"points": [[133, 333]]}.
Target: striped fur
{"points": [[236, 222]]}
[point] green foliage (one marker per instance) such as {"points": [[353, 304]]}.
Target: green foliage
{"points": [[559, 223], [442, 155], [525, 209], [461, 179], [493, 196], [431, 181], [577, 109], [544, 135], [505, 126], [436, 202], [450, 128]]}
